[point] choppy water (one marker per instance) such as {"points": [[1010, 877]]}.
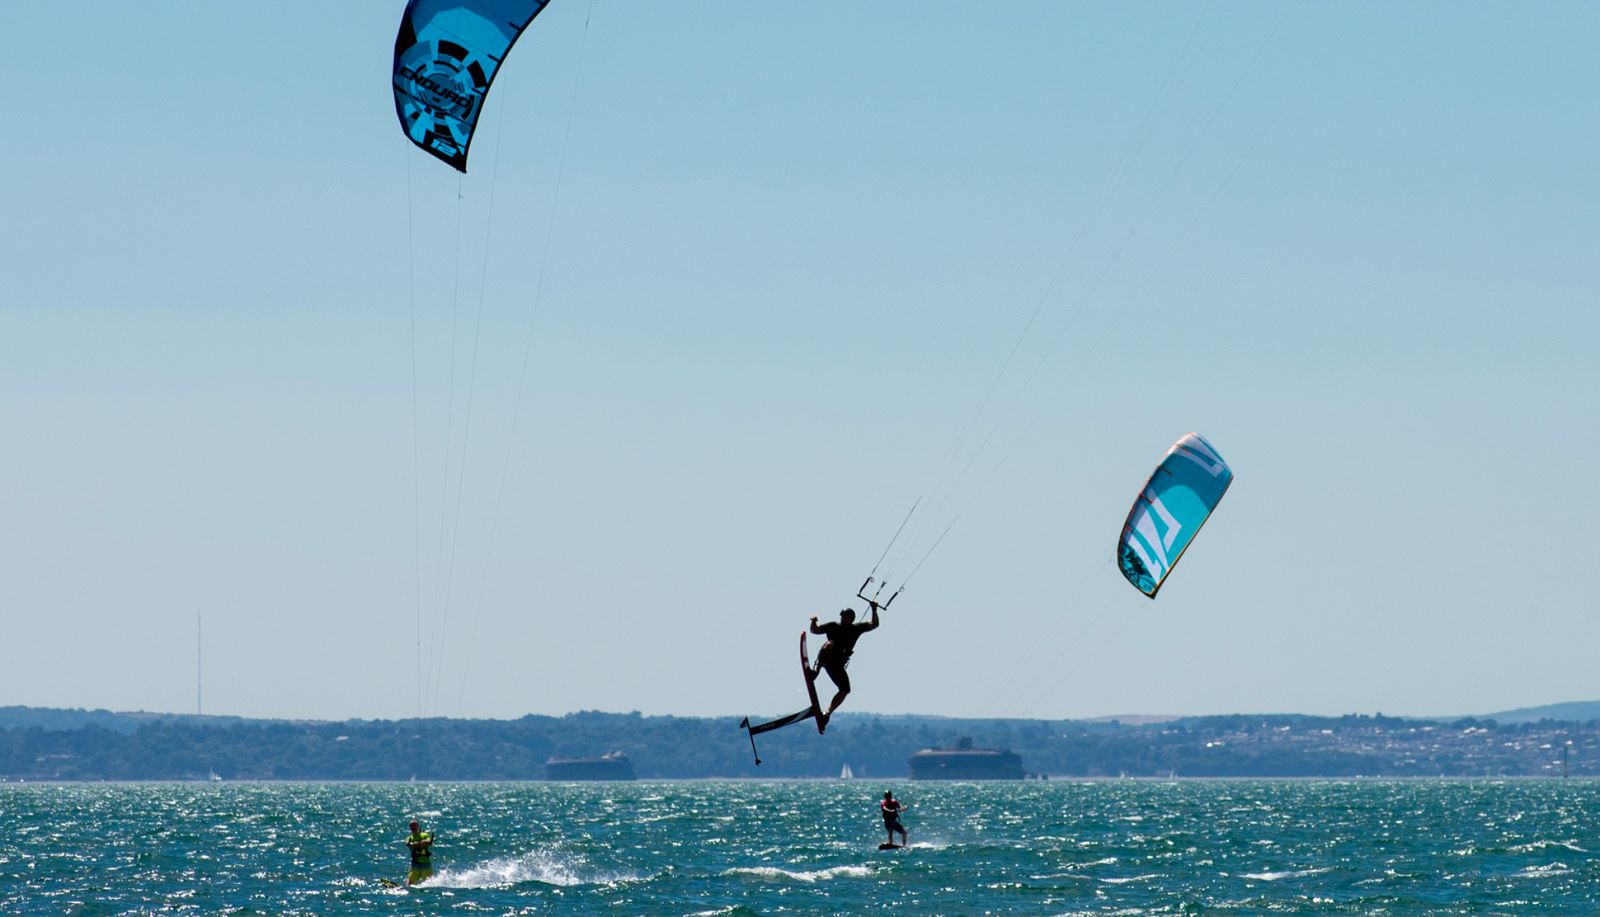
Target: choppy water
{"points": [[1128, 847]]}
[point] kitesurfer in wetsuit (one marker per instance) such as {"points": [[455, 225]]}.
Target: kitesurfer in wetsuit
{"points": [[835, 654], [421, 844], [891, 808]]}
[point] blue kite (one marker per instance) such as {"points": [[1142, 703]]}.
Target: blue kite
{"points": [[1174, 504], [445, 58]]}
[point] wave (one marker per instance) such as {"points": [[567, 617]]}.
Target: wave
{"points": [[1285, 874], [545, 867], [1531, 846], [1072, 870], [814, 875], [1542, 872]]}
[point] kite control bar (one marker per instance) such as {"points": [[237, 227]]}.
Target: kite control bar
{"points": [[873, 599], [883, 583]]}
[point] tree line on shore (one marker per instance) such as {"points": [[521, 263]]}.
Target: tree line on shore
{"points": [[106, 746]]}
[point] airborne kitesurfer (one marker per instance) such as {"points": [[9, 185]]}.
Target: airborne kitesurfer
{"points": [[835, 654], [421, 844], [891, 809]]}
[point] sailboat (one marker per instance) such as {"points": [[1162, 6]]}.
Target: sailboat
{"points": [[845, 773]]}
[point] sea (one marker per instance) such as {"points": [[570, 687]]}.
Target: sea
{"points": [[807, 847]]}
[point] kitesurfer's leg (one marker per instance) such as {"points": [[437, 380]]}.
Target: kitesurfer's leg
{"points": [[824, 662], [841, 680], [837, 700]]}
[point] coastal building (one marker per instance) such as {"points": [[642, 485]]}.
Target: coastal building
{"points": [[610, 766], [966, 763]]}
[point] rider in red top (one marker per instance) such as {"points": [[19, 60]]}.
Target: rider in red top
{"points": [[835, 654], [891, 808]]}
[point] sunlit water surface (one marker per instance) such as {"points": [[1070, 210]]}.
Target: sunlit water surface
{"points": [[1130, 847]]}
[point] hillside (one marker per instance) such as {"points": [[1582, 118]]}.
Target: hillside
{"points": [[45, 745]]}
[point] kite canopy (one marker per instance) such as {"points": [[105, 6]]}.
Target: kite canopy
{"points": [[445, 59], [1175, 502]]}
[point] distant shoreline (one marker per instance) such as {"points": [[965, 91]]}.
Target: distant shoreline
{"points": [[41, 745]]}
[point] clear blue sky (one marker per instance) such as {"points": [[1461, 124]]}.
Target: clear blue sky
{"points": [[789, 252]]}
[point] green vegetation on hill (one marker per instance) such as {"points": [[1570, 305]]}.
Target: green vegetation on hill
{"points": [[78, 745]]}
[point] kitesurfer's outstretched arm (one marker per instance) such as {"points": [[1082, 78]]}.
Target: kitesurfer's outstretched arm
{"points": [[873, 624]]}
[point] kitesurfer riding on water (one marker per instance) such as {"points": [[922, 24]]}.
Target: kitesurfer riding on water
{"points": [[421, 844], [835, 654], [891, 809]]}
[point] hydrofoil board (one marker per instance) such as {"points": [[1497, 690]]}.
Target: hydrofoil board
{"points": [[811, 685]]}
